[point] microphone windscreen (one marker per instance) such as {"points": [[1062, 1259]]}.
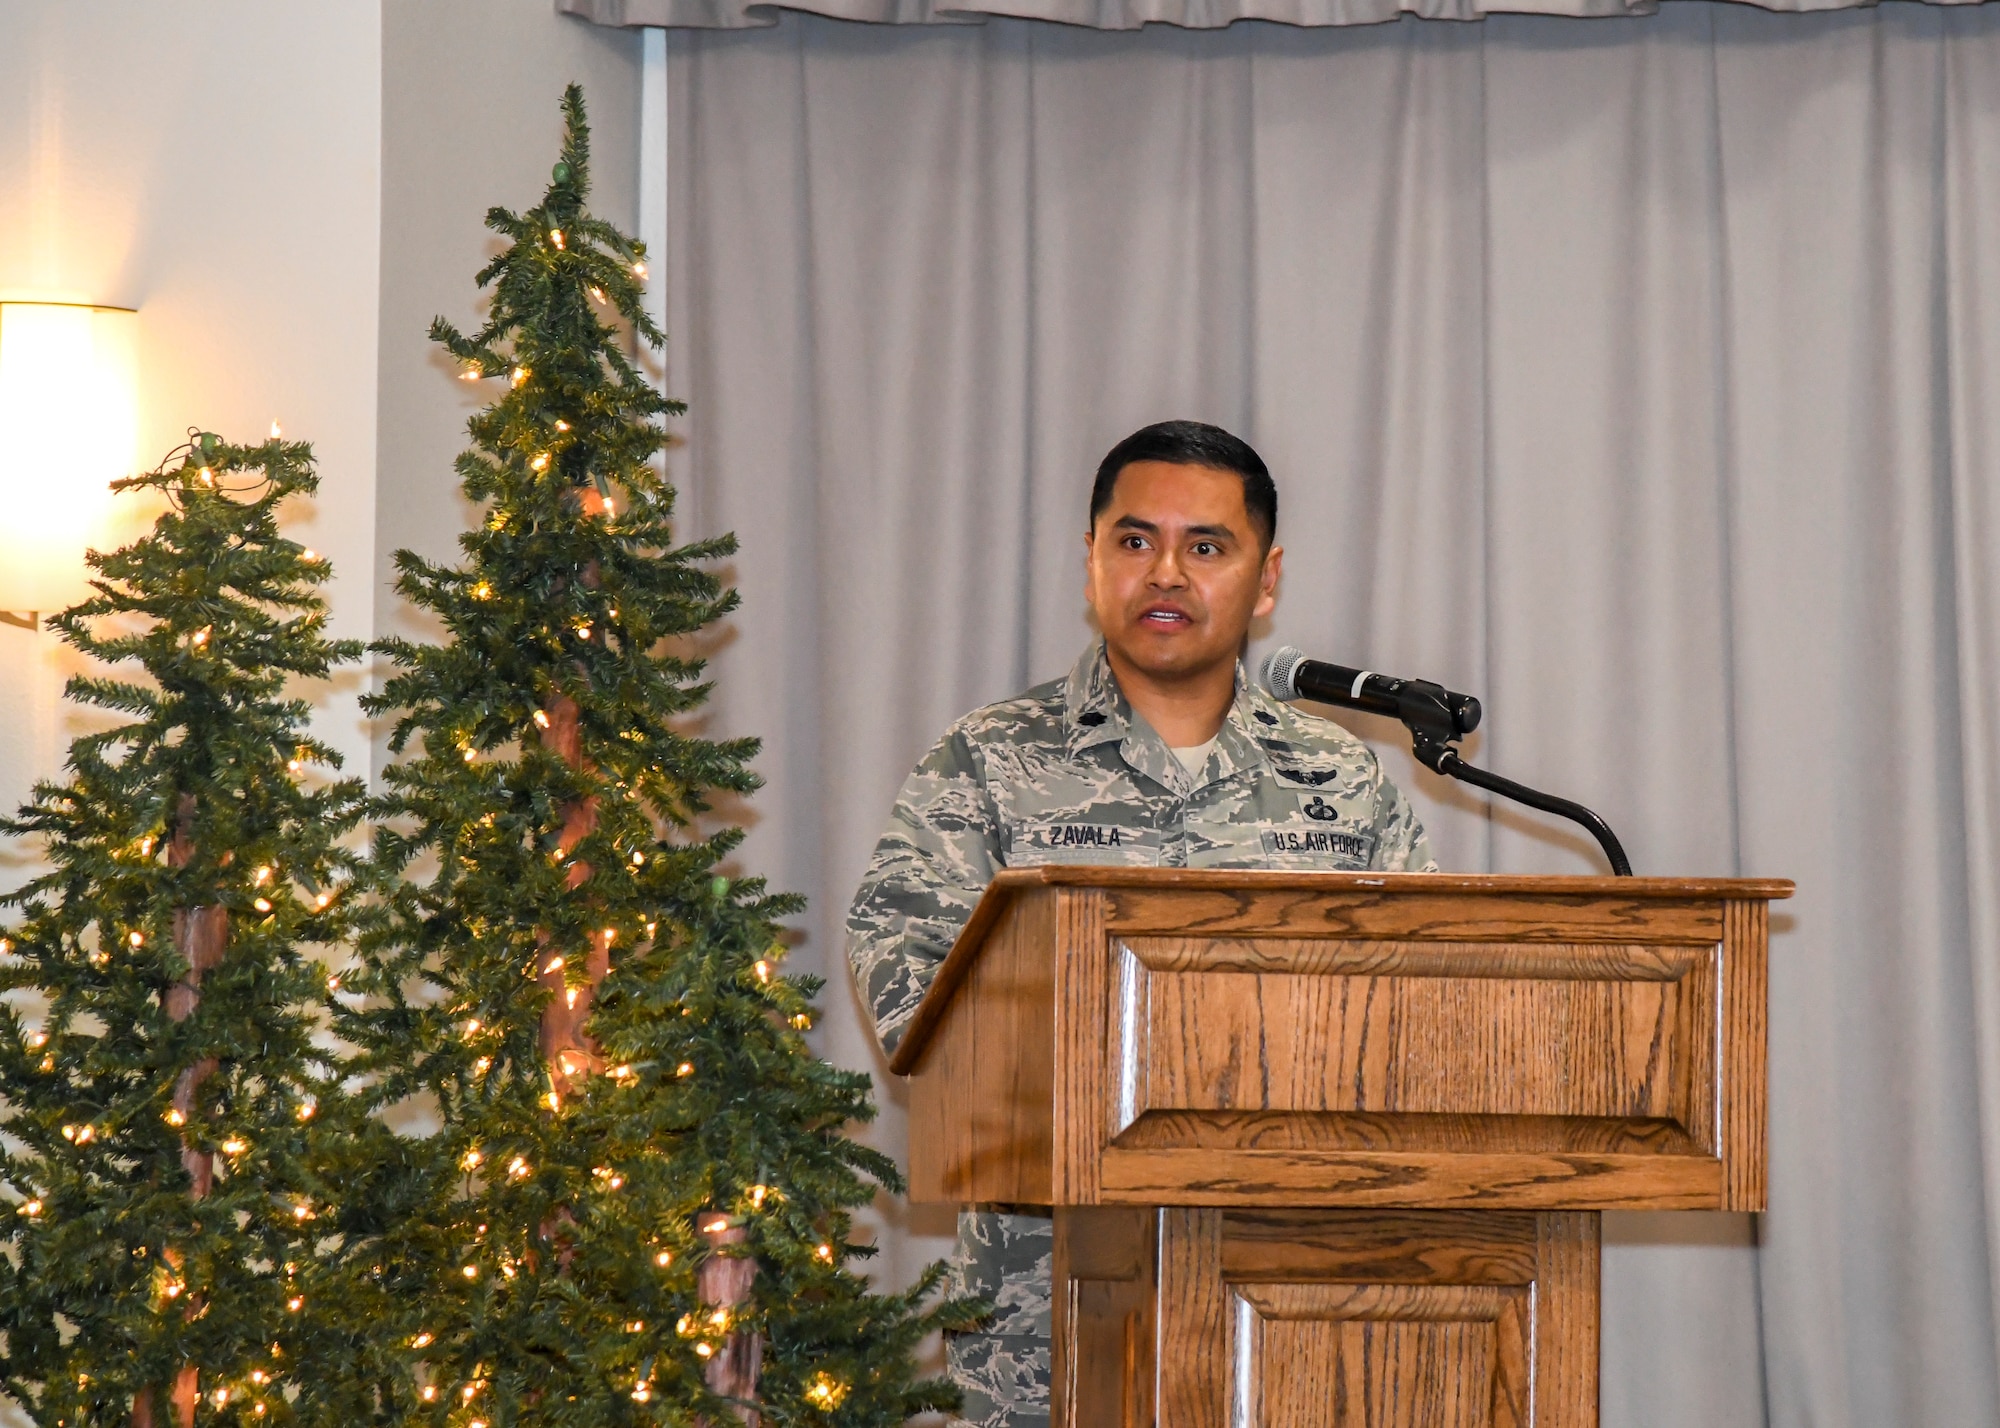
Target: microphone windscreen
{"points": [[1281, 666]]}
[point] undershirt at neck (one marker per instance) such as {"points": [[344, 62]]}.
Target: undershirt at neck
{"points": [[1194, 759]]}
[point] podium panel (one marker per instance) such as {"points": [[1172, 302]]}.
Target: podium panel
{"points": [[1209, 1318], [1326, 1150]]}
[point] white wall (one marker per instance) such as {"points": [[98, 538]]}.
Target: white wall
{"points": [[216, 165]]}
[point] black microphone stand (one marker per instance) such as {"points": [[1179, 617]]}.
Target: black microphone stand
{"points": [[1434, 724]]}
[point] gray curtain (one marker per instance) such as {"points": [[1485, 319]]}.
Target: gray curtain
{"points": [[1121, 14], [1638, 375]]}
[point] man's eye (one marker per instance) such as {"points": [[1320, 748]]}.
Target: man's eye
{"points": [[1135, 542], [1207, 547]]}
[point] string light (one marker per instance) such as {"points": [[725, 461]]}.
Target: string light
{"points": [[686, 1068], [541, 719], [518, 1168], [541, 462], [555, 964], [641, 1392], [174, 1290], [479, 1066], [482, 591], [261, 876], [31, 1208], [639, 861], [232, 1146], [471, 1027], [639, 270], [471, 1271], [561, 425], [664, 1258], [471, 374], [262, 904], [471, 1161], [136, 939], [556, 237], [763, 971], [422, 1340], [802, 1022], [277, 431], [428, 1393], [307, 1109], [311, 557], [825, 1392], [825, 1252], [705, 1350], [637, 1326], [207, 477], [521, 374], [597, 294], [295, 1304]]}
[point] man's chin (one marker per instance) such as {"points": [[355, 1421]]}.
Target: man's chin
{"points": [[1168, 655]]}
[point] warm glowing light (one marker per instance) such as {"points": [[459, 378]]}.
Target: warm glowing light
{"points": [[541, 462], [174, 1291], [233, 1146], [306, 1109], [758, 1194], [561, 425], [137, 939], [309, 555], [541, 719], [479, 1066], [639, 861], [555, 964], [472, 1026], [569, 996], [518, 1168], [302, 1211], [68, 404], [763, 971], [482, 591], [31, 1208], [260, 877], [429, 1394], [639, 270], [277, 432], [686, 1068], [521, 374], [295, 1304], [637, 1326], [556, 237], [825, 1252], [715, 1226], [664, 1258], [262, 904], [471, 1159], [641, 1393], [257, 1376], [704, 1349], [471, 1271], [471, 754], [825, 1392], [802, 1022], [421, 1340]]}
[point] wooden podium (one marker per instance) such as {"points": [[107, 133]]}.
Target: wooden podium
{"points": [[1329, 1148]]}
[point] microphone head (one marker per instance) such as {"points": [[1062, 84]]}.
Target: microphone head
{"points": [[1281, 665]]}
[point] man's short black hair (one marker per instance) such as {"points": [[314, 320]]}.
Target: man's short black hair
{"points": [[1193, 443]]}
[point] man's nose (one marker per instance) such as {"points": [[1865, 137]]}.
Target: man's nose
{"points": [[1166, 573]]}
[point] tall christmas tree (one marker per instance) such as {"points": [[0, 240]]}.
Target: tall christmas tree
{"points": [[642, 1195], [173, 1240]]}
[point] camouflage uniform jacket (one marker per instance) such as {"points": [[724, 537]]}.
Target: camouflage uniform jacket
{"points": [[1067, 773]]}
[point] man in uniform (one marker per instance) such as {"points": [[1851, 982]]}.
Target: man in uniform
{"points": [[1156, 751]]}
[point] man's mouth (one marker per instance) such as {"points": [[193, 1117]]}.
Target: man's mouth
{"points": [[1164, 617]]}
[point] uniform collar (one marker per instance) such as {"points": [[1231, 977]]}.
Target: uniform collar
{"points": [[1095, 712]]}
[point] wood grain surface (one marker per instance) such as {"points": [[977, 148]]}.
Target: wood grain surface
{"points": [[1324, 1039], [1332, 1319]]}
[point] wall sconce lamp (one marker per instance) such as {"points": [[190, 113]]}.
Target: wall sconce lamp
{"points": [[68, 429]]}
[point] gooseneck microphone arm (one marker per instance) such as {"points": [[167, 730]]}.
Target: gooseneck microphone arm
{"points": [[1436, 719]]}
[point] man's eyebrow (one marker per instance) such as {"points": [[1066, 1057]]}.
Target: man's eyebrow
{"points": [[1133, 523]]}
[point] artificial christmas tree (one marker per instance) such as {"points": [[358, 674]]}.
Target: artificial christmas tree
{"points": [[641, 1202], [175, 1242]]}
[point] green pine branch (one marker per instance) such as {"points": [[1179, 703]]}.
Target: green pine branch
{"points": [[177, 1143], [546, 822]]}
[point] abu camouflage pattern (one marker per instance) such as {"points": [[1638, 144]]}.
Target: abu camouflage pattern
{"points": [[1003, 1370], [1067, 773]]}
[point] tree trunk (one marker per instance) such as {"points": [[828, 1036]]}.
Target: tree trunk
{"points": [[724, 1281]]}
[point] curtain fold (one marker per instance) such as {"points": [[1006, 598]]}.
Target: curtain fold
{"points": [[1122, 14], [1637, 376]]}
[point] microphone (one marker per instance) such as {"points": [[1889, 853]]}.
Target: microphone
{"points": [[1436, 718], [1289, 675]]}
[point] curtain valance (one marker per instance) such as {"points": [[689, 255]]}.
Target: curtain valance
{"points": [[1122, 14]]}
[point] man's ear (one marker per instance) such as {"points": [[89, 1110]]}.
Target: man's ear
{"points": [[1089, 572], [1267, 582]]}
